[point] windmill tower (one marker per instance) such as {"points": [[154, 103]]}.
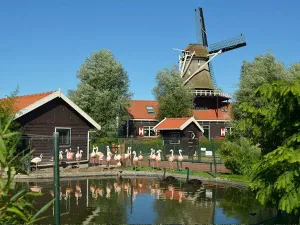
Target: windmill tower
{"points": [[196, 68]]}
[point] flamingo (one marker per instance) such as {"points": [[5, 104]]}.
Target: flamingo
{"points": [[78, 156], [93, 155], [100, 155], [108, 190], [140, 158], [61, 155], [158, 158], [126, 155], [99, 190], [180, 157], [135, 158], [71, 154], [171, 159], [37, 160], [153, 156]]}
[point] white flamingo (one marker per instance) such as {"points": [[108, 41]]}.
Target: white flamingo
{"points": [[61, 155], [93, 155], [180, 157], [171, 158], [135, 158], [108, 156], [153, 156], [158, 158], [37, 160]]}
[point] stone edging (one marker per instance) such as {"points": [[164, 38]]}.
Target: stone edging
{"points": [[125, 173]]}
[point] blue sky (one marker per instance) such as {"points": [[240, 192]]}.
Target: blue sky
{"points": [[43, 43]]}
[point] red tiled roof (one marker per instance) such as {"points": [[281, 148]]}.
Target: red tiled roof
{"points": [[21, 102], [138, 109], [171, 123]]}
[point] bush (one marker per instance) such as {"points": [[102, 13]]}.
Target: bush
{"points": [[239, 155]]}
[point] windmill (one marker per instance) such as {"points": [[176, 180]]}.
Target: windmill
{"points": [[195, 61]]}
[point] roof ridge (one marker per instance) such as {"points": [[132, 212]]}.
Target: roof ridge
{"points": [[42, 93], [144, 100]]}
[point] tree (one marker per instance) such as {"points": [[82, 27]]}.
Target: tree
{"points": [[276, 121], [103, 90], [175, 100]]}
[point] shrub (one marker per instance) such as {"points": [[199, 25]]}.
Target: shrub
{"points": [[239, 155]]}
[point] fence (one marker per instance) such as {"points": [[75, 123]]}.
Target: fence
{"points": [[196, 151]]}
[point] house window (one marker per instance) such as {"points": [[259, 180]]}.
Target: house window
{"points": [[206, 129], [150, 109], [64, 136], [148, 131], [174, 138]]}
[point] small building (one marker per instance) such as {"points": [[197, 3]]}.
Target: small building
{"points": [[42, 114], [215, 122], [181, 133]]}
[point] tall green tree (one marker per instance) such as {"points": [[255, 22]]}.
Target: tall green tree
{"points": [[103, 90], [175, 100]]}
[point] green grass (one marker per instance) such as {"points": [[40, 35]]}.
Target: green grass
{"points": [[231, 177], [238, 178]]}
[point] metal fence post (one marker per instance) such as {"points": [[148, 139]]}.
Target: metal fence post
{"points": [[56, 180], [214, 155]]}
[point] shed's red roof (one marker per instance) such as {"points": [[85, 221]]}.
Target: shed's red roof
{"points": [[172, 123], [21, 102]]}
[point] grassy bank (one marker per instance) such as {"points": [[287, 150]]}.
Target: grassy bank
{"points": [[230, 177]]}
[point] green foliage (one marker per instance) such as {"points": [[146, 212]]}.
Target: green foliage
{"points": [[263, 70], [15, 208], [239, 155], [103, 91], [175, 100], [276, 122]]}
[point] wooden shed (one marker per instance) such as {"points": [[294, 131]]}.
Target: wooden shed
{"points": [[42, 114], [180, 133]]}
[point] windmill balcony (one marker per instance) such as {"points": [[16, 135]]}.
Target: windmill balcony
{"points": [[211, 93]]}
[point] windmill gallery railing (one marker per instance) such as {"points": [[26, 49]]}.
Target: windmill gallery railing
{"points": [[211, 93]]}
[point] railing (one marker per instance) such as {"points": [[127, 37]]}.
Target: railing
{"points": [[211, 93]]}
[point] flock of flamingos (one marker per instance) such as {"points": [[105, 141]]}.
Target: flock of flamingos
{"points": [[155, 157]]}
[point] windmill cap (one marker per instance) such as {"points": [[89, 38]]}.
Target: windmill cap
{"points": [[200, 50]]}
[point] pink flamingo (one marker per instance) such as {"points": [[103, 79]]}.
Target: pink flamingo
{"points": [[126, 156], [93, 155], [100, 155], [140, 158], [78, 157], [71, 154], [158, 158], [180, 157], [135, 158], [171, 159]]}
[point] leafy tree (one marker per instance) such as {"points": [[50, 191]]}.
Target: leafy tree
{"points": [[103, 90], [276, 122], [239, 155], [175, 100]]}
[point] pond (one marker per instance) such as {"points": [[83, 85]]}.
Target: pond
{"points": [[148, 201]]}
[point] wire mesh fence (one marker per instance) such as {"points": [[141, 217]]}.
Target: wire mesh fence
{"points": [[194, 151]]}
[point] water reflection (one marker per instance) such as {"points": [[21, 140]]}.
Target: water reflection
{"points": [[143, 200]]}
